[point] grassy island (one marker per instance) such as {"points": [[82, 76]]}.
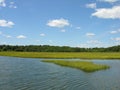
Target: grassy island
{"points": [[82, 65]]}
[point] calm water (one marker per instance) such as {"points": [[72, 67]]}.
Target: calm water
{"points": [[32, 74]]}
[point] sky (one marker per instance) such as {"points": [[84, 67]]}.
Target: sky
{"points": [[75, 23]]}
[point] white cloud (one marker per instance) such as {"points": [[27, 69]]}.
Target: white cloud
{"points": [[21, 37], [8, 36], [4, 23], [59, 23], [115, 32], [4, 35], [108, 13], [12, 5], [42, 34], [91, 5], [2, 3], [90, 34], [109, 1], [12, 2], [63, 30]]}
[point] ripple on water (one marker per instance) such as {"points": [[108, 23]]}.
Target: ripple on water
{"points": [[31, 74]]}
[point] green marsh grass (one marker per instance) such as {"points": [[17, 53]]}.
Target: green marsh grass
{"points": [[82, 65], [60, 55]]}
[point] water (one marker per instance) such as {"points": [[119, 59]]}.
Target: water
{"points": [[32, 74]]}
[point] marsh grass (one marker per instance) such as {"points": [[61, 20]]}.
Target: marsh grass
{"points": [[60, 55], [82, 65]]}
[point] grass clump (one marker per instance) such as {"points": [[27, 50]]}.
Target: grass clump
{"points": [[82, 65]]}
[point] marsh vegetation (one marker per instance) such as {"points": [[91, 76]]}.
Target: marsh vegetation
{"points": [[82, 65], [59, 55]]}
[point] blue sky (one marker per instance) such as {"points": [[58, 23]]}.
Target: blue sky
{"points": [[76, 23]]}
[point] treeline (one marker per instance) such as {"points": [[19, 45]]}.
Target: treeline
{"points": [[47, 48]]}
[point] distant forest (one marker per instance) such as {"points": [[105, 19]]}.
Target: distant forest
{"points": [[47, 48]]}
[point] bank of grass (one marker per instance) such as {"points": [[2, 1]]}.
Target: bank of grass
{"points": [[60, 55], [82, 65]]}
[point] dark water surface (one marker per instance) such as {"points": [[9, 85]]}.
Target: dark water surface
{"points": [[32, 74]]}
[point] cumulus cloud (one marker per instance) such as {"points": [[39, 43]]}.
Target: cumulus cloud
{"points": [[91, 5], [115, 31], [42, 34], [2, 3], [4, 23], [90, 34], [108, 13], [59, 23], [21, 37], [109, 1]]}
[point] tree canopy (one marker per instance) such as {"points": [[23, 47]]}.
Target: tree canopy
{"points": [[48, 48]]}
